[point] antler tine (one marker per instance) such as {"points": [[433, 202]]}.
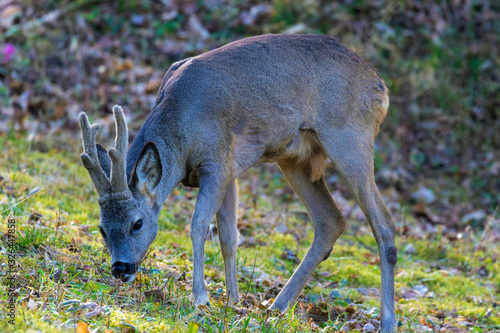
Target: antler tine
{"points": [[89, 155], [118, 154]]}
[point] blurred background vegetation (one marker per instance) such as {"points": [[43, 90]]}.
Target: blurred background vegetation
{"points": [[437, 165], [438, 148]]}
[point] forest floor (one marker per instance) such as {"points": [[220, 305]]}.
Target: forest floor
{"points": [[437, 164], [444, 282]]}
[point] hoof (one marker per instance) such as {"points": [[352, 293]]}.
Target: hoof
{"points": [[201, 308], [275, 306], [203, 305], [200, 300]]}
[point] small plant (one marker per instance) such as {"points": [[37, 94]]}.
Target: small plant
{"points": [[32, 238]]}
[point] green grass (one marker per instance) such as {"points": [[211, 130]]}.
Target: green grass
{"points": [[62, 262], [445, 78]]}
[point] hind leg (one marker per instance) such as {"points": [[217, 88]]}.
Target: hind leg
{"points": [[228, 236], [328, 226], [352, 154]]}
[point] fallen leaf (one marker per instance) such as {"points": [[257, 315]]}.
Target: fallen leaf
{"points": [[368, 328], [266, 304], [192, 327], [424, 211], [152, 86], [156, 295], [82, 327]]}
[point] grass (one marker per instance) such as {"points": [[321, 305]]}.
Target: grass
{"points": [[445, 79], [63, 266]]}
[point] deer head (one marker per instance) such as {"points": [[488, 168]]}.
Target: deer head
{"points": [[128, 211]]}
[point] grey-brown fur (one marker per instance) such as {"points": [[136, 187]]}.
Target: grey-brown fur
{"points": [[290, 99]]}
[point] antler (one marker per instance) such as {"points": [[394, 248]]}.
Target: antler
{"points": [[119, 152], [118, 184], [89, 155]]}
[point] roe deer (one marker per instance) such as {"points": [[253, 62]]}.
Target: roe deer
{"points": [[291, 99]]}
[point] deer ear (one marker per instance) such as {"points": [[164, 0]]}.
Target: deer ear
{"points": [[104, 160], [147, 172]]}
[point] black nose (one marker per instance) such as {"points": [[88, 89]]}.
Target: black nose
{"points": [[119, 269]]}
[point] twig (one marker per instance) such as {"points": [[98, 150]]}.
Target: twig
{"points": [[29, 196], [225, 310], [251, 278], [100, 271], [145, 257], [57, 225], [364, 245], [441, 323], [165, 285]]}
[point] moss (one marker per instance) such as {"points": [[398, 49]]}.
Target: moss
{"points": [[448, 269]]}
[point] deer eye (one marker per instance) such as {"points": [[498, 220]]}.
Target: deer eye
{"points": [[102, 232], [137, 225]]}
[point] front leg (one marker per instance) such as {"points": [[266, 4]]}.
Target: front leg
{"points": [[213, 186]]}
